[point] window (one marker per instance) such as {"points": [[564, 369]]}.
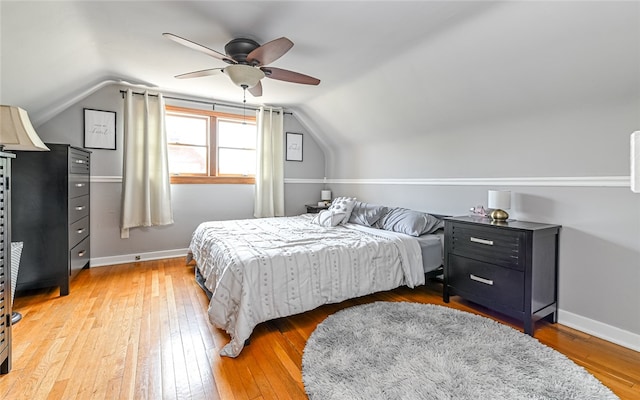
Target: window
{"points": [[210, 147]]}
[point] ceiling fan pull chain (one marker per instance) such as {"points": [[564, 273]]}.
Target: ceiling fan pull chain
{"points": [[244, 104]]}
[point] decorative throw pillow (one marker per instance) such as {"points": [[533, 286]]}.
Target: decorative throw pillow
{"points": [[366, 214], [329, 218], [345, 205], [410, 222]]}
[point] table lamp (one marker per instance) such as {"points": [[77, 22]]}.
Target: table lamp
{"points": [[325, 195], [499, 200]]}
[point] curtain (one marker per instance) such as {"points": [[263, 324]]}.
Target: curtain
{"points": [[269, 193], [146, 190]]}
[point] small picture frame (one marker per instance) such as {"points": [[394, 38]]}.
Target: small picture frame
{"points": [[294, 146], [99, 129]]}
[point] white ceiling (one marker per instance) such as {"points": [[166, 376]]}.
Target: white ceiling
{"points": [[429, 64]]}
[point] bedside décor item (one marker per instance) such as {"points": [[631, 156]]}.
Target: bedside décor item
{"points": [[635, 162], [99, 129], [499, 200], [478, 211], [510, 266], [402, 350], [325, 196], [16, 131], [294, 146]]}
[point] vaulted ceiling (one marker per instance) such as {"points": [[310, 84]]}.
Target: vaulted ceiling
{"points": [[430, 64]]}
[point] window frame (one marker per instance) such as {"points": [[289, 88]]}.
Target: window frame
{"points": [[212, 149]]}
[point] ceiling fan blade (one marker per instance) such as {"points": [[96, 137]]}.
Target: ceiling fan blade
{"points": [[256, 91], [201, 73], [269, 52], [198, 47], [289, 76]]}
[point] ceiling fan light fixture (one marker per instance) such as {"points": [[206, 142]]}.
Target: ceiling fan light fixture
{"points": [[244, 75]]}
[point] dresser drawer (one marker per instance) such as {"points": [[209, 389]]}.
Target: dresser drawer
{"points": [[78, 208], [78, 231], [78, 185], [486, 281], [78, 162], [496, 246], [79, 256]]}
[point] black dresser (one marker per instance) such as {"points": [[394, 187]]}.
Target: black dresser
{"points": [[509, 266], [5, 262], [51, 215]]}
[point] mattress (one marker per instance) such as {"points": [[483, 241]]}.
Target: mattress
{"points": [[432, 248]]}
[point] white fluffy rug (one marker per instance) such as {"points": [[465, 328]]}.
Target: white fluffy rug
{"points": [[388, 350]]}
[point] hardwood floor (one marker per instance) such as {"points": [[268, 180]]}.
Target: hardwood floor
{"points": [[140, 331]]}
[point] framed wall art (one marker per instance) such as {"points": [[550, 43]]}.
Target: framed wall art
{"points": [[99, 129], [294, 146]]}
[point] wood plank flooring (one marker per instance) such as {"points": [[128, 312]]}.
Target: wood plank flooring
{"points": [[140, 331]]}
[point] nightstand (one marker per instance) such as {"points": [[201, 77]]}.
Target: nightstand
{"points": [[510, 267], [314, 208]]}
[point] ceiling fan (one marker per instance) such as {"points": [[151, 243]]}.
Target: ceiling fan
{"points": [[248, 62]]}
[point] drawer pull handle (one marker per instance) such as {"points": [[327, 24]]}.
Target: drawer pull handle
{"points": [[481, 241], [481, 280], [79, 184], [79, 208], [81, 253], [80, 230]]}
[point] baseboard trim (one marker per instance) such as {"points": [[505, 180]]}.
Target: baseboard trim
{"points": [[601, 330], [129, 258]]}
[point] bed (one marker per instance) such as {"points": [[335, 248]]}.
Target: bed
{"points": [[260, 269]]}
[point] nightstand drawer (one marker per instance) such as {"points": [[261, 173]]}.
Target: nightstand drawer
{"points": [[497, 246], [487, 281]]}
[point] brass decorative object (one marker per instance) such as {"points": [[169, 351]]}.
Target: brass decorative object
{"points": [[499, 215]]}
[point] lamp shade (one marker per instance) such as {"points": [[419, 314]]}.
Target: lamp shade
{"points": [[244, 75], [499, 199], [325, 195], [16, 131], [635, 162]]}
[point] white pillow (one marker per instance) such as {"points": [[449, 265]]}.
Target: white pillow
{"points": [[329, 218], [344, 205]]}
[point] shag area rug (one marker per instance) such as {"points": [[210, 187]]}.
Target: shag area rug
{"points": [[399, 350]]}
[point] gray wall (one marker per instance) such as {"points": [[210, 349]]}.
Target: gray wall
{"points": [[192, 204]]}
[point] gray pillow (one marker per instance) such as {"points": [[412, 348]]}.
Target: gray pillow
{"points": [[366, 214], [410, 222]]}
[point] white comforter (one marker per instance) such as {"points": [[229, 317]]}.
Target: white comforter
{"points": [[261, 269]]}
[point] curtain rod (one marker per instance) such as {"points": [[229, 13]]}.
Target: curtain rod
{"points": [[213, 104]]}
